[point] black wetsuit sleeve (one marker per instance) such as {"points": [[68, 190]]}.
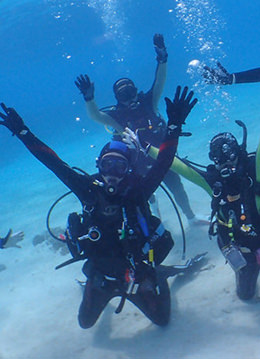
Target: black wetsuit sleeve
{"points": [[247, 76], [161, 165], [72, 179]]}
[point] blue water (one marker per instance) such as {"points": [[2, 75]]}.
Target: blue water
{"points": [[45, 44]]}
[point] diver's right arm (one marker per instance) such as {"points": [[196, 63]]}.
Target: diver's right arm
{"points": [[86, 87], [42, 152]]}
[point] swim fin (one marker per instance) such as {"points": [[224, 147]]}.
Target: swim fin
{"points": [[171, 271]]}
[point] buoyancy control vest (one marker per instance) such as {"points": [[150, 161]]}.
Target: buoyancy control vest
{"points": [[117, 227], [234, 205], [151, 126]]}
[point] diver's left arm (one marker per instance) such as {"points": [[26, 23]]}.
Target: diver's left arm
{"points": [[161, 70], [177, 111]]}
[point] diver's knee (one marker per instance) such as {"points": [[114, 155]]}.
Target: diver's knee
{"points": [[245, 295], [162, 321], [85, 323]]}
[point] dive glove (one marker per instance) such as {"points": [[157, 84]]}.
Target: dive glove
{"points": [[160, 48], [218, 76], [12, 121], [178, 109], [131, 139], [86, 87]]}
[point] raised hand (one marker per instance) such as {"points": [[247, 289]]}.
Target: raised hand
{"points": [[218, 76], [85, 86], [12, 120], [12, 239], [178, 109], [130, 138], [160, 48]]}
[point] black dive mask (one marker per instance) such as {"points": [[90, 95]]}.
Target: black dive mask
{"points": [[224, 151], [223, 154], [113, 170], [126, 94], [113, 166]]}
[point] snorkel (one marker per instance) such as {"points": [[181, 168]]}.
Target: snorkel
{"points": [[244, 142]]}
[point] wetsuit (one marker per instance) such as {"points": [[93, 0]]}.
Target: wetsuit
{"points": [[111, 259], [151, 130], [221, 76], [151, 126], [236, 204], [247, 76]]}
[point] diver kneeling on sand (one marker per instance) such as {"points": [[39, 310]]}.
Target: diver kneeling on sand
{"points": [[233, 182], [122, 242]]}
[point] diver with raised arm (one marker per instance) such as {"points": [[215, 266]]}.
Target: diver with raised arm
{"points": [[122, 243], [233, 182], [138, 111]]}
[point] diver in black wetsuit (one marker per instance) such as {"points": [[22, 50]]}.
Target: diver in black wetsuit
{"points": [[122, 242], [139, 112], [234, 184], [220, 76]]}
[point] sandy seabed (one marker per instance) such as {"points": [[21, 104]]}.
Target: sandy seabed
{"points": [[39, 306]]}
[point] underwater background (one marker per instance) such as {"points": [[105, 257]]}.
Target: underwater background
{"points": [[44, 46]]}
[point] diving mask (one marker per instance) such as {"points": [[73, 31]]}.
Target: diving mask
{"points": [[111, 165]]}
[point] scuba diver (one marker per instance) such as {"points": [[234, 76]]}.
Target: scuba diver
{"points": [[233, 182], [139, 112], [116, 233], [220, 76]]}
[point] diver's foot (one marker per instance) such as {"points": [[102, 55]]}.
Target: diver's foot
{"points": [[198, 221]]}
